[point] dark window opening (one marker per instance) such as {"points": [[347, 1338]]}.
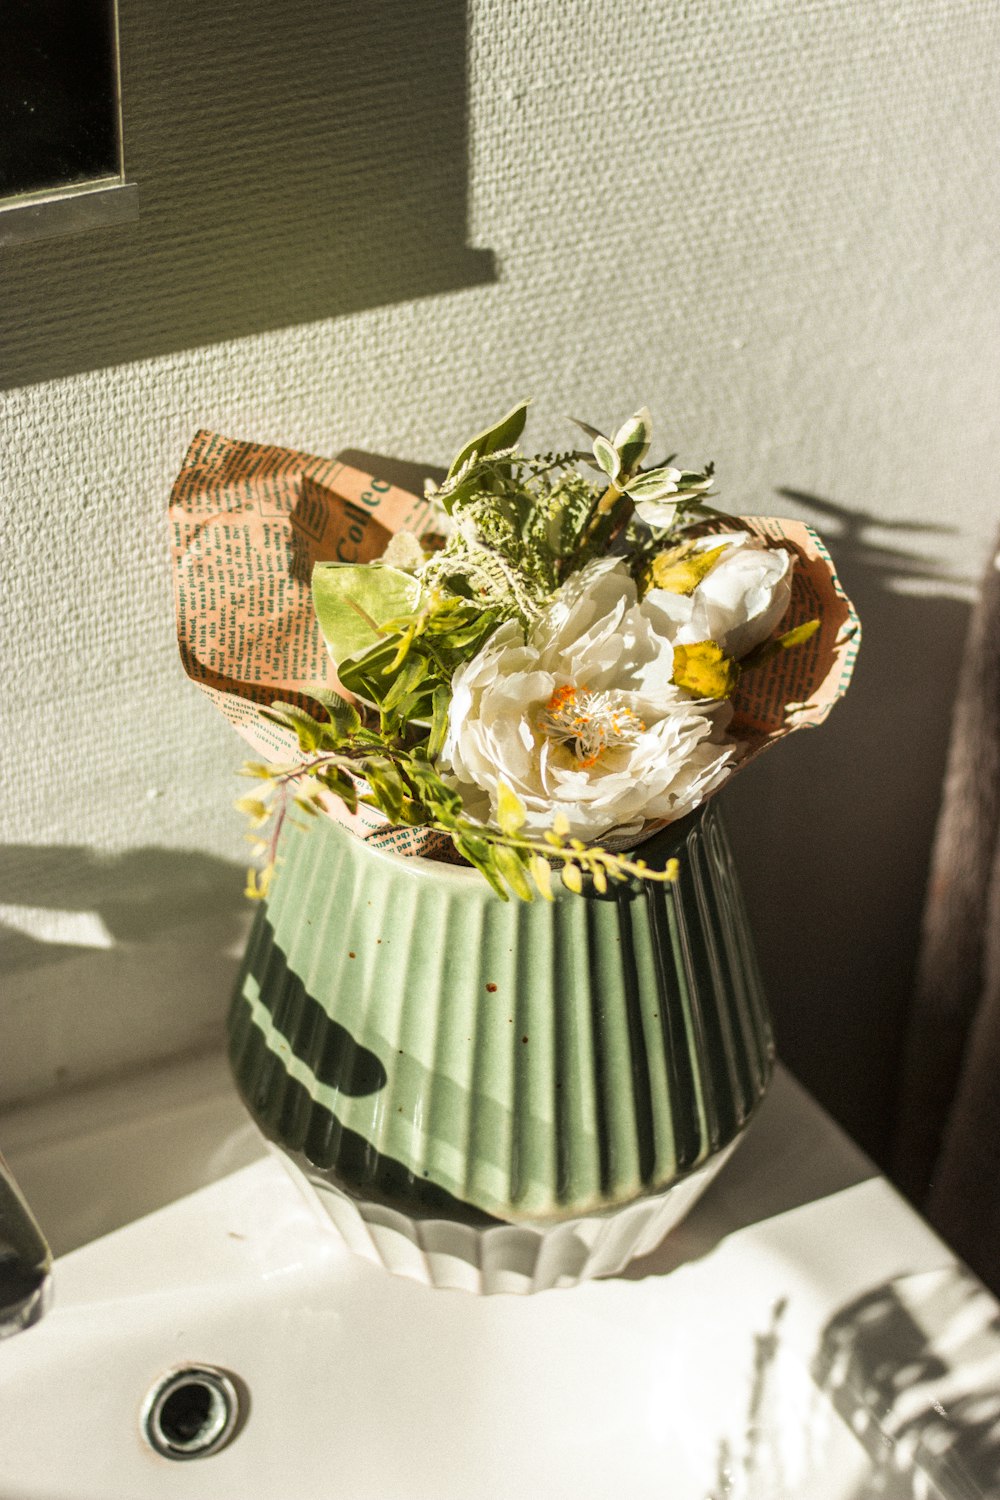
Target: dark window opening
{"points": [[58, 94]]}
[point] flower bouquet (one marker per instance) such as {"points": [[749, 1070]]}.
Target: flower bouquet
{"points": [[526, 682]]}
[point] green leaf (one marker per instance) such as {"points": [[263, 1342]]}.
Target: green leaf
{"points": [[655, 484], [405, 692], [345, 593], [388, 789], [257, 769], [632, 440], [341, 785], [253, 808], [440, 704], [704, 669], [365, 674], [607, 457], [442, 802], [797, 635], [511, 868], [308, 805], [310, 732], [344, 717], [694, 481], [591, 432], [510, 810], [541, 874], [572, 879], [406, 682], [479, 852], [503, 434], [257, 884]]}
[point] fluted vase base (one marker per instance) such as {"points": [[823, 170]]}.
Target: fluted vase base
{"points": [[510, 1258]]}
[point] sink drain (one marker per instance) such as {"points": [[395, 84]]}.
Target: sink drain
{"points": [[191, 1412]]}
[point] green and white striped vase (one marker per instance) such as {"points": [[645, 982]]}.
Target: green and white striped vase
{"points": [[500, 1096]]}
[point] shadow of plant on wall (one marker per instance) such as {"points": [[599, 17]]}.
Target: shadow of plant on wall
{"points": [[851, 812], [112, 961]]}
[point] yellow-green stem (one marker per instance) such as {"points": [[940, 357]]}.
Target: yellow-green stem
{"points": [[604, 509]]}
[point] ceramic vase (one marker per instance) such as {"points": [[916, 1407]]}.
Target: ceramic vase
{"points": [[500, 1096]]}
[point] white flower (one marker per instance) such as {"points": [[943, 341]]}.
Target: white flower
{"points": [[403, 550], [737, 604], [582, 717]]}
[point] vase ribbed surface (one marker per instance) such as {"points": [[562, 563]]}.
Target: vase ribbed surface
{"points": [[500, 1095]]}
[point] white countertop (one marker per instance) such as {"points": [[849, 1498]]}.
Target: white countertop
{"points": [[801, 1334]]}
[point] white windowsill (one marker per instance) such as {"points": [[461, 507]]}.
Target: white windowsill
{"points": [[90, 205]]}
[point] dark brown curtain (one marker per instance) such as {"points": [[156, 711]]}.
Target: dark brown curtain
{"points": [[947, 1154]]}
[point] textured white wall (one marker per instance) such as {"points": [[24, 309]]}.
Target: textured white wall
{"points": [[775, 224]]}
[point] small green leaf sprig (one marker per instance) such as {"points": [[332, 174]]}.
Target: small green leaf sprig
{"points": [[523, 525], [340, 752], [620, 458]]}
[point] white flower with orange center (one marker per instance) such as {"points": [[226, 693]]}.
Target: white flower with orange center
{"points": [[581, 717], [589, 723]]}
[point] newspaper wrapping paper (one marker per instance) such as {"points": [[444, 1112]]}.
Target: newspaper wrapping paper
{"points": [[248, 523]]}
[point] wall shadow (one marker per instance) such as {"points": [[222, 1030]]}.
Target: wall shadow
{"points": [[405, 473], [140, 896], [112, 962], [833, 831], [293, 164]]}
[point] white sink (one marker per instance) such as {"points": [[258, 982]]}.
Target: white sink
{"points": [[802, 1334]]}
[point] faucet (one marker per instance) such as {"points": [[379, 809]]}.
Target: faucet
{"points": [[25, 1260]]}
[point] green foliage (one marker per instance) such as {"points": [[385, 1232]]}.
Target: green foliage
{"points": [[498, 439], [523, 525], [631, 441], [620, 456], [414, 661], [510, 810], [608, 457], [354, 600], [797, 636], [344, 717], [311, 733], [518, 535], [655, 484]]}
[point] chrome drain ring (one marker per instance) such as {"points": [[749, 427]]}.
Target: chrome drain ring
{"points": [[192, 1412]]}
